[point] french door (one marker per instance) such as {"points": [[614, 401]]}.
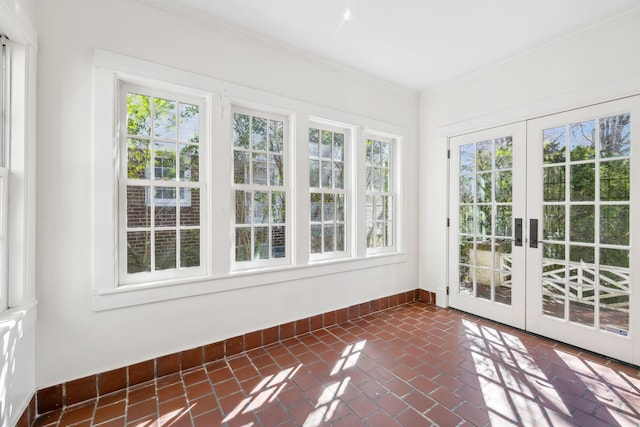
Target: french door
{"points": [[542, 226]]}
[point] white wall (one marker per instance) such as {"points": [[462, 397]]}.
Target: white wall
{"points": [[597, 65], [72, 339], [17, 323]]}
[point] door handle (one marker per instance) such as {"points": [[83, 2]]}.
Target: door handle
{"points": [[533, 233], [518, 232]]}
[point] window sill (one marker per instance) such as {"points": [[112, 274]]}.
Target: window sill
{"points": [[132, 295], [20, 319]]}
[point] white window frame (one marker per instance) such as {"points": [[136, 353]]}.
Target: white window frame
{"points": [[285, 188], [349, 217], [151, 185], [5, 137], [394, 185]]}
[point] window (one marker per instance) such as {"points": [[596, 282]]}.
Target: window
{"points": [[328, 193], [259, 178], [380, 194], [162, 195], [4, 169]]}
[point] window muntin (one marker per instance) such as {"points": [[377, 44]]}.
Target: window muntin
{"points": [[259, 187], [161, 186], [328, 191], [380, 198], [4, 170]]}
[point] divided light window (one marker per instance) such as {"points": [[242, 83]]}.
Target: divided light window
{"points": [[259, 183], [328, 193], [4, 169], [380, 194], [162, 187]]}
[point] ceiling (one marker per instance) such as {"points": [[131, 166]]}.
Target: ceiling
{"points": [[415, 43]]}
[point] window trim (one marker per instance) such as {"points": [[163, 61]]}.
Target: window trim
{"points": [[5, 165]]}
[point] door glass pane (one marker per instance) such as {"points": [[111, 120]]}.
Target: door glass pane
{"points": [[585, 275]]}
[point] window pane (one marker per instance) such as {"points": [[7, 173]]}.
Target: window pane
{"points": [[582, 222], [377, 179], [466, 189], [385, 156], [189, 206], [261, 243], [326, 174], [338, 147], [138, 251], [484, 183], [138, 159], [138, 209], [503, 221], [504, 185], [276, 136], [316, 239], [329, 238], [164, 120], [278, 207], [467, 158], [614, 224], [504, 153], [138, 115], [165, 207], [314, 141], [340, 208], [327, 144], [484, 155], [554, 145], [241, 167], [615, 180], [260, 207], [376, 155], [259, 134], [189, 162], [165, 249], [190, 248], [554, 184], [553, 222], [278, 242], [164, 161], [243, 244], [328, 208], [615, 136], [241, 131], [243, 207], [581, 140], [338, 175], [316, 207], [583, 182], [340, 237], [259, 169], [189, 123], [314, 173], [275, 170]]}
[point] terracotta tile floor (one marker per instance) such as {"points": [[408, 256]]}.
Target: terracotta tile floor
{"points": [[412, 365]]}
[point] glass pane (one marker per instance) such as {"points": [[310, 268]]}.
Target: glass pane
{"points": [[466, 219], [466, 249], [241, 167], [165, 207], [466, 280], [261, 243], [259, 168], [328, 208], [189, 123], [138, 115], [138, 159], [338, 175], [580, 255], [467, 158], [554, 145], [164, 161], [338, 146], [316, 239], [369, 208], [483, 187], [553, 227], [275, 170], [615, 136], [503, 221], [165, 253], [164, 121], [259, 134], [582, 224], [379, 208], [614, 224], [138, 206], [553, 299], [138, 251], [190, 248], [377, 179], [502, 277], [484, 254], [190, 207], [483, 283], [614, 312], [615, 180], [484, 220], [340, 237], [583, 182], [484, 155], [326, 174], [278, 207], [554, 184], [241, 131], [340, 207], [369, 178], [385, 155], [466, 189], [504, 185], [504, 153], [243, 244], [327, 144], [389, 233], [554, 251], [189, 162], [278, 242], [582, 140], [314, 173], [315, 207], [388, 207], [329, 238], [260, 207], [614, 258], [276, 136], [379, 234], [314, 141], [377, 153], [581, 304], [243, 207], [369, 152]]}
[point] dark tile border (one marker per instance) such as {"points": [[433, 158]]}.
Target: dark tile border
{"points": [[72, 392]]}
